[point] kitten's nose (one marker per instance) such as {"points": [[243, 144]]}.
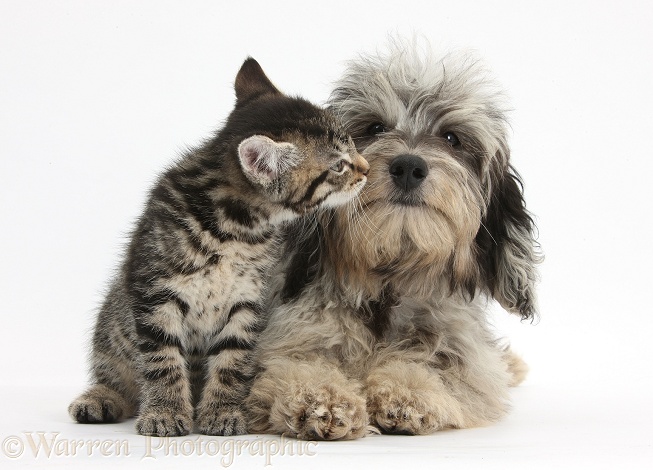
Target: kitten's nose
{"points": [[408, 171], [362, 165]]}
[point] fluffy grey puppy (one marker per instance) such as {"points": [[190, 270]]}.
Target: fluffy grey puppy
{"points": [[385, 324]]}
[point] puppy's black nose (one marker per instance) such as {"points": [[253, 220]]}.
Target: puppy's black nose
{"points": [[408, 171]]}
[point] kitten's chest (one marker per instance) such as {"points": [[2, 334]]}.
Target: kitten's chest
{"points": [[237, 273]]}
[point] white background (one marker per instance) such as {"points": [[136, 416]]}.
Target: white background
{"points": [[97, 97]]}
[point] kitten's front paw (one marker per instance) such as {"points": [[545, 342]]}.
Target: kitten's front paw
{"points": [[99, 404], [327, 413], [226, 421], [163, 423], [87, 410]]}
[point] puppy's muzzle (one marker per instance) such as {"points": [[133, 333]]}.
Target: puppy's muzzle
{"points": [[408, 171]]}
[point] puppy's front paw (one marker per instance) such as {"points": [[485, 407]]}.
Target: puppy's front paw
{"points": [[226, 421], [163, 423], [405, 401], [326, 413], [401, 414]]}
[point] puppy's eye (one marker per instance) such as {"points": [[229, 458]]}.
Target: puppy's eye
{"points": [[376, 129], [339, 167], [452, 139]]}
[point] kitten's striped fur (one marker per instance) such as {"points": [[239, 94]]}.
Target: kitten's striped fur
{"points": [[174, 335]]}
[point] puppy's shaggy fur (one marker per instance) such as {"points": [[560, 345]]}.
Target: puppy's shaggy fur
{"points": [[385, 321]]}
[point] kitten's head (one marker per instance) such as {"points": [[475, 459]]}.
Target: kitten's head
{"points": [[292, 151]]}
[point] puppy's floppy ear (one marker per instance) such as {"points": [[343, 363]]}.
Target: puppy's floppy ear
{"points": [[507, 249], [251, 82], [263, 160]]}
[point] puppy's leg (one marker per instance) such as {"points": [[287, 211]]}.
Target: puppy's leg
{"points": [[307, 400]]}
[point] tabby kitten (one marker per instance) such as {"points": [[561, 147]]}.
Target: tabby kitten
{"points": [[174, 336]]}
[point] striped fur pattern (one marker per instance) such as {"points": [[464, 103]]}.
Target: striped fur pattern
{"points": [[390, 329], [174, 336]]}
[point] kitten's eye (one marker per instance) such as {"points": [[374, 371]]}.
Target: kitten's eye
{"points": [[338, 167], [376, 129], [451, 138]]}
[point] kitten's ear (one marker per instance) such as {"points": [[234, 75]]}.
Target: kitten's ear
{"points": [[508, 252], [263, 160], [251, 82]]}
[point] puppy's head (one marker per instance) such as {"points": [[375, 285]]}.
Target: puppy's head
{"points": [[442, 203]]}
